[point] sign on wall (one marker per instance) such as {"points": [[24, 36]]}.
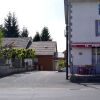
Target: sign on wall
{"points": [[85, 45]]}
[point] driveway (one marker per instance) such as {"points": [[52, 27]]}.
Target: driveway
{"points": [[36, 79], [45, 85]]}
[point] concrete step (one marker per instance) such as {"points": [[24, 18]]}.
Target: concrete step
{"points": [[85, 79]]}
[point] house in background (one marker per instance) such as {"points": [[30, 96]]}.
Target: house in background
{"points": [[46, 54], [11, 66], [85, 33], [21, 43]]}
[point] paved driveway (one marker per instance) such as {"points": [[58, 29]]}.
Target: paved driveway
{"points": [[37, 79], [45, 86]]}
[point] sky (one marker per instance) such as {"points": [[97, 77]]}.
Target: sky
{"points": [[36, 14]]}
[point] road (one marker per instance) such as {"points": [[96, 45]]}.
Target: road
{"points": [[45, 85]]}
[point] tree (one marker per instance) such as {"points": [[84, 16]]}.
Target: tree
{"points": [[7, 26], [45, 35], [2, 29], [18, 53], [24, 32], [11, 26], [15, 29], [37, 37], [1, 35]]}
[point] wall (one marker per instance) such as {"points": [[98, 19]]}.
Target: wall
{"points": [[84, 15], [7, 70], [94, 71], [46, 62], [84, 59]]}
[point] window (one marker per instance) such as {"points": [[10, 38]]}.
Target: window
{"points": [[99, 9], [96, 55], [97, 22]]}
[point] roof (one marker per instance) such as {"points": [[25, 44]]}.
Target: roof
{"points": [[16, 42], [44, 48]]}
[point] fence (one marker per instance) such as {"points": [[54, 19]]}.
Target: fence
{"points": [[7, 70]]}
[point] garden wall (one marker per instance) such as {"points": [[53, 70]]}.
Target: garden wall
{"points": [[7, 70]]}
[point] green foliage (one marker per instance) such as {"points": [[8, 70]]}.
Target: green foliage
{"points": [[11, 26], [29, 53], [1, 35], [24, 32], [17, 53], [6, 53], [45, 35], [61, 63], [2, 29], [37, 37]]}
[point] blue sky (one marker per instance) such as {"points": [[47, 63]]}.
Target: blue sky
{"points": [[35, 14]]}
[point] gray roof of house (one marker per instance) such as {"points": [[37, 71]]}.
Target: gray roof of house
{"points": [[44, 48], [16, 42]]}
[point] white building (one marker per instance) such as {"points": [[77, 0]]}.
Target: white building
{"points": [[85, 32]]}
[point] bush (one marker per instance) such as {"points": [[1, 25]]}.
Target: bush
{"points": [[17, 53]]}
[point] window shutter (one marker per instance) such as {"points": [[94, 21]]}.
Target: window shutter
{"points": [[96, 28], [99, 9]]}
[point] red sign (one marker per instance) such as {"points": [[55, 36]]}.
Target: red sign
{"points": [[85, 45]]}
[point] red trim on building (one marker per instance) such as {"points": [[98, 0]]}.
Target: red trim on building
{"points": [[86, 44]]}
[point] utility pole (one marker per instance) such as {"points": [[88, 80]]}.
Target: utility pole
{"points": [[68, 57]]}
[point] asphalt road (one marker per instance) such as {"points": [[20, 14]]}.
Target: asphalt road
{"points": [[45, 86]]}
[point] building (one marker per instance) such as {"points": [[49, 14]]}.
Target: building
{"points": [[23, 42], [46, 54], [11, 66], [20, 43], [85, 40]]}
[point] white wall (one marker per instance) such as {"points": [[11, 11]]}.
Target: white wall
{"points": [[84, 59], [84, 15]]}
